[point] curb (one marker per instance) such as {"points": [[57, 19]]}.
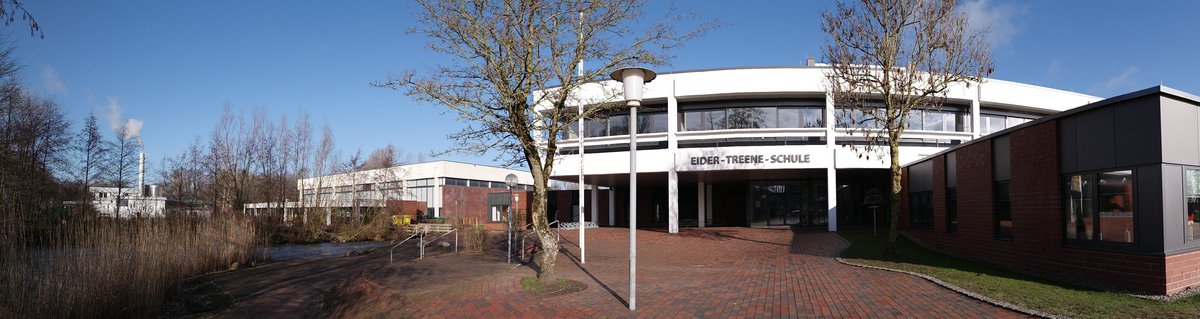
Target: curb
{"points": [[946, 285]]}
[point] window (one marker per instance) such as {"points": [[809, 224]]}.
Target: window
{"points": [[1003, 209], [652, 122], [920, 205], [751, 117], [1100, 207], [456, 182], [992, 123], [1115, 191], [813, 117], [475, 183], [1192, 194], [595, 128], [704, 120], [1002, 186], [618, 125], [850, 117]]}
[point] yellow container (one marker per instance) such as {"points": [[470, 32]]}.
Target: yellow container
{"points": [[406, 220]]}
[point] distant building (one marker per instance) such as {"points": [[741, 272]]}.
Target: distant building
{"points": [[133, 203], [447, 189]]}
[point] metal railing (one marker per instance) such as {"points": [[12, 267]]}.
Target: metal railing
{"points": [[525, 234], [420, 231]]}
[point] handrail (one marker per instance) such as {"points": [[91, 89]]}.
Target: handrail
{"points": [[526, 235], [391, 252]]}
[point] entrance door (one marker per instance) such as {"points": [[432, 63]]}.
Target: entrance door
{"points": [[785, 203]]}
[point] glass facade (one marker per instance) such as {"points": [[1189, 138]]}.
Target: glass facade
{"points": [[752, 118]]}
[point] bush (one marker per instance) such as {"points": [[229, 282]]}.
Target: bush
{"points": [[474, 238], [115, 268]]}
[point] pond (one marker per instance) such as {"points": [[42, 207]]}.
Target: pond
{"points": [[321, 250]]}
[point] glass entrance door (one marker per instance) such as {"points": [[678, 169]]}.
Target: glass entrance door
{"points": [[785, 203]]}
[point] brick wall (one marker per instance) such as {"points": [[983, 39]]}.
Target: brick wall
{"points": [[1036, 244]]}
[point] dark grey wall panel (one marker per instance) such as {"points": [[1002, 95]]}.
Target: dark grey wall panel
{"points": [[952, 169], [1180, 132], [1136, 134], [1094, 139], [920, 177], [1147, 191], [1067, 149], [1002, 158], [1172, 221]]}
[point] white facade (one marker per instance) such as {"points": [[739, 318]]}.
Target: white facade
{"points": [[416, 182], [132, 202], [796, 133]]}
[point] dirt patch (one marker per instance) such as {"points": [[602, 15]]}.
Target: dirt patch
{"points": [[359, 297], [558, 288]]}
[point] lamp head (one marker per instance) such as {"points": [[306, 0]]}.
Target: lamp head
{"points": [[634, 78], [511, 180]]}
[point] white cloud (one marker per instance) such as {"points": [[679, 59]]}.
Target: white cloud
{"points": [[51, 81], [113, 115], [998, 19], [1121, 80]]}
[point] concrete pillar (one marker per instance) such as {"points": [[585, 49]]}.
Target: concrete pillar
{"points": [[596, 204], [975, 120], [612, 206], [701, 203], [672, 174], [831, 186]]}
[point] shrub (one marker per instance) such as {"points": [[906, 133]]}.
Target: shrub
{"points": [[474, 238]]}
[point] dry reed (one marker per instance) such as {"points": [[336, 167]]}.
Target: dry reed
{"points": [[118, 268]]}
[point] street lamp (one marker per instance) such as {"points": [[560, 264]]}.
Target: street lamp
{"points": [[511, 181], [633, 78]]}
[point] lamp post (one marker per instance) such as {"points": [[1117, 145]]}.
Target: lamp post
{"points": [[511, 181], [633, 78]]}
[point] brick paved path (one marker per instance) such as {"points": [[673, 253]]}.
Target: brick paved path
{"points": [[710, 273]]}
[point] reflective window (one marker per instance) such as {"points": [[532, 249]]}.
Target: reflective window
{"points": [[1116, 197], [813, 117], [751, 117], [652, 122], [618, 125], [704, 120], [991, 123], [1192, 194], [1002, 194], [920, 206], [595, 128], [790, 117], [1079, 206], [1100, 207], [849, 117]]}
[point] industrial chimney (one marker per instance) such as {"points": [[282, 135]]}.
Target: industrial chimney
{"points": [[141, 190]]}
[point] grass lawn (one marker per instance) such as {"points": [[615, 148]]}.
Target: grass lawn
{"points": [[1023, 290]]}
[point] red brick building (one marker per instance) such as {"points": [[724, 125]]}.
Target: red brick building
{"points": [[1106, 195]]}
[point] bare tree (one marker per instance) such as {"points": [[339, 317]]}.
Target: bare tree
{"points": [[11, 10], [889, 57], [504, 50], [91, 150], [383, 157], [123, 162]]}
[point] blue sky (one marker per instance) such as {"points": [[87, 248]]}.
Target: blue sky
{"points": [[175, 64]]}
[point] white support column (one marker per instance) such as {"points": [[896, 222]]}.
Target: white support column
{"points": [[701, 203], [672, 174], [832, 190], [595, 204], [612, 206], [708, 208], [975, 120], [831, 185]]}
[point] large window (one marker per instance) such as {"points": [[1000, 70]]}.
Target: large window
{"points": [[920, 205], [1100, 207], [753, 118], [938, 120], [1192, 194]]}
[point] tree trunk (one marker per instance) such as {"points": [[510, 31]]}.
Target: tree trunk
{"points": [[548, 260], [894, 205]]}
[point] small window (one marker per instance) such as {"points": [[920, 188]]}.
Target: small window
{"points": [[652, 123], [1116, 197], [618, 125], [1002, 211]]}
